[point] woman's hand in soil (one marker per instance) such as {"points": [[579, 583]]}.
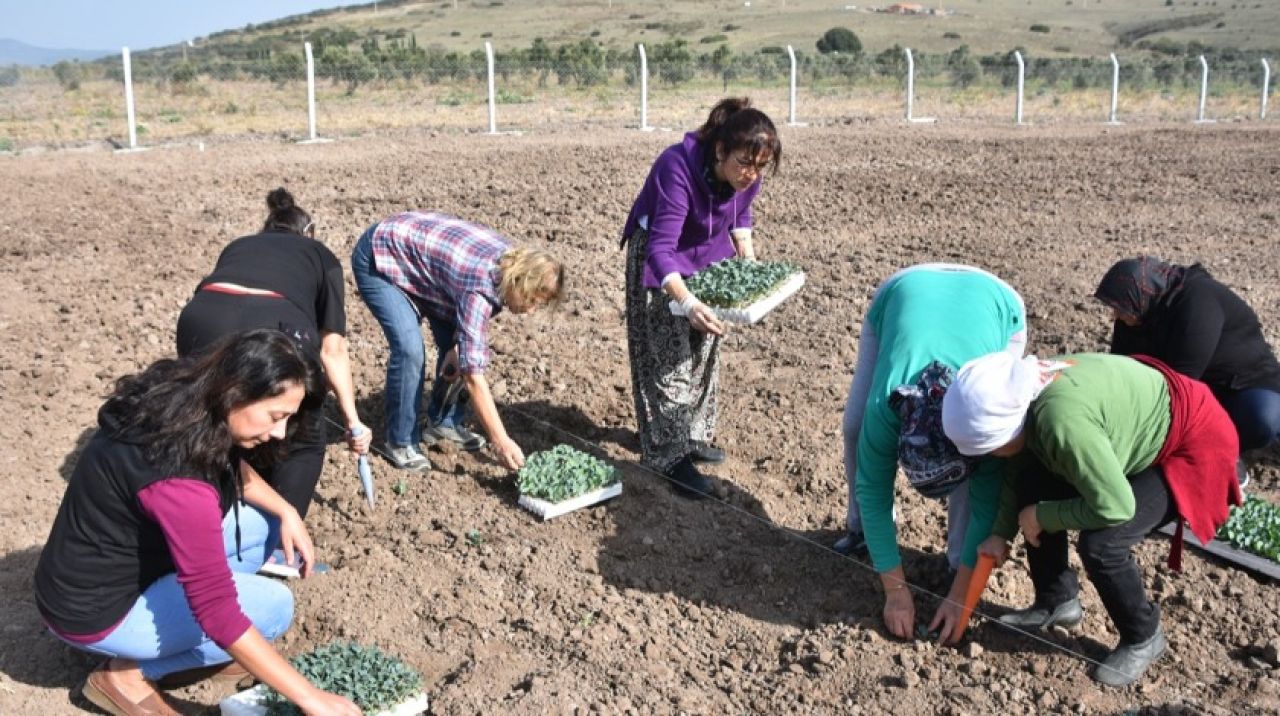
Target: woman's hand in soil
{"points": [[295, 540], [995, 547], [704, 320], [1030, 525], [323, 703], [509, 453], [946, 621], [899, 612]]}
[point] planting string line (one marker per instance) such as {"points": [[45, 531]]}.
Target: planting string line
{"points": [[779, 528], [795, 535]]}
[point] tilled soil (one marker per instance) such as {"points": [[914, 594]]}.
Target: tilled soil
{"points": [[651, 603]]}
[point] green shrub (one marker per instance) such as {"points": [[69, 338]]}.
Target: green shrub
{"points": [[839, 39], [951, 36], [68, 74], [563, 473], [364, 674], [6, 144], [1040, 28], [734, 282], [713, 39], [10, 75], [1254, 527]]}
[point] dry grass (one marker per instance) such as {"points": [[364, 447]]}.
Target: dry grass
{"points": [[1085, 27]]}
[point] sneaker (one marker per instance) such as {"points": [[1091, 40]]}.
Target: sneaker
{"points": [[457, 434], [852, 544], [407, 457], [706, 452], [688, 482], [1066, 614], [1129, 662]]}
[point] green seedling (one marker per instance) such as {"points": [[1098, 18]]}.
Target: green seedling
{"points": [[475, 538], [735, 282], [1254, 527], [372, 679], [923, 632], [400, 487], [563, 473], [586, 621]]}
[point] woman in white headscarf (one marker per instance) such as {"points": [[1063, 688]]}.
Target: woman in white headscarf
{"points": [[1105, 445]]}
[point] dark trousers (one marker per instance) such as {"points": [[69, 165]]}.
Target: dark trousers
{"points": [[1256, 414], [211, 316], [1107, 553]]}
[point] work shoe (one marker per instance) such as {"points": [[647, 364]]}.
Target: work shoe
{"points": [[1066, 614], [100, 691], [228, 673], [457, 434], [407, 457], [852, 544], [687, 481], [1128, 662], [706, 452]]}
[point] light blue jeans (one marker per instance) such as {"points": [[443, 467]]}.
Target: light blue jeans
{"points": [[161, 633], [401, 324]]}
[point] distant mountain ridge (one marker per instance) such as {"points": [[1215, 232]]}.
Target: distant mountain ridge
{"points": [[15, 52]]}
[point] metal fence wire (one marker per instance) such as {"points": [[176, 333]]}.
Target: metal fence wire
{"points": [[264, 91]]}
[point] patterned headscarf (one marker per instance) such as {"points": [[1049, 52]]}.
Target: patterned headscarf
{"points": [[1133, 286], [932, 464]]}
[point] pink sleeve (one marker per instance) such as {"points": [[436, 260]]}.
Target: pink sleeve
{"points": [[188, 513]]}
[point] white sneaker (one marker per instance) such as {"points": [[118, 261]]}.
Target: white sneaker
{"points": [[407, 457]]}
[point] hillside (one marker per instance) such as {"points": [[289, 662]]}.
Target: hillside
{"points": [[15, 52], [1063, 27]]}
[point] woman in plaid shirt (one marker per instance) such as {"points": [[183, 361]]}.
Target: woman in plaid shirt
{"points": [[458, 275]]}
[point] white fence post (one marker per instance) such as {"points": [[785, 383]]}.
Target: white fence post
{"points": [[1266, 86], [493, 107], [644, 90], [911, 88], [311, 97], [1204, 89], [1017, 113], [792, 54], [1115, 89], [128, 99]]}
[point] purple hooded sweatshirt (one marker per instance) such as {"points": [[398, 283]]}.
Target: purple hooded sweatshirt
{"points": [[688, 227]]}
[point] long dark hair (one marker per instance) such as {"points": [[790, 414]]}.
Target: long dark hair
{"points": [[734, 124], [286, 216], [178, 409]]}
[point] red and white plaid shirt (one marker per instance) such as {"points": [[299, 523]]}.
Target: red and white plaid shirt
{"points": [[449, 267]]}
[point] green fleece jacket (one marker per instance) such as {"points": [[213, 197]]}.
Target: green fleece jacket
{"points": [[1102, 419]]}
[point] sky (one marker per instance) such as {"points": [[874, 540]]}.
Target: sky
{"points": [[138, 24]]}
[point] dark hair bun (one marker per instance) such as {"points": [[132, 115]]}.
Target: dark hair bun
{"points": [[280, 200]]}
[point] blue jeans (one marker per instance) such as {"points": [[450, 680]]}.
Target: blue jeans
{"points": [[1256, 415], [162, 635], [400, 322]]}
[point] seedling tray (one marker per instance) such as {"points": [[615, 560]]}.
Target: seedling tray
{"points": [[547, 510], [249, 703], [752, 313], [1230, 553]]}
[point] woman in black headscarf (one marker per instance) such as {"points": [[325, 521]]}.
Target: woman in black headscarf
{"points": [[1202, 329]]}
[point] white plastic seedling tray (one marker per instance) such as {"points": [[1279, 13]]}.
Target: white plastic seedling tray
{"points": [[754, 312], [547, 510], [249, 703]]}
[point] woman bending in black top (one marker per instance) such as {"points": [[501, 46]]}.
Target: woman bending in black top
{"points": [[282, 278], [1202, 329]]}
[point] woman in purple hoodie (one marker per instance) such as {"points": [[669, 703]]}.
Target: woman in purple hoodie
{"points": [[694, 210]]}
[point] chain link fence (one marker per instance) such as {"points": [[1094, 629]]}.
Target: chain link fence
{"points": [[374, 88]]}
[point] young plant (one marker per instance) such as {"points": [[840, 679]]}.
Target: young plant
{"points": [[474, 537], [1254, 527], [735, 282], [563, 473], [372, 679]]}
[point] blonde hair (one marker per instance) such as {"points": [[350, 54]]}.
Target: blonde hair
{"points": [[525, 271]]}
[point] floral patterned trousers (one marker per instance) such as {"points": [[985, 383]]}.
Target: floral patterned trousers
{"points": [[675, 369]]}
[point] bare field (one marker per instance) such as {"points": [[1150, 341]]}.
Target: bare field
{"points": [[650, 604]]}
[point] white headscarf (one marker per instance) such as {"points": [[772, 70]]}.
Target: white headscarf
{"points": [[986, 405]]}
